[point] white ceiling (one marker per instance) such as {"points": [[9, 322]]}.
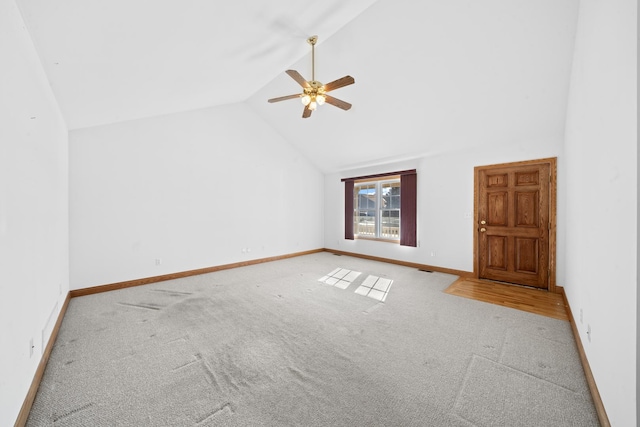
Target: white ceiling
{"points": [[430, 75], [116, 60]]}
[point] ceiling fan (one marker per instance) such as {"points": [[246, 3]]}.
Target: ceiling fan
{"points": [[314, 93]]}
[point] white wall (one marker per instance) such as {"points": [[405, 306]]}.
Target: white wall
{"points": [[34, 275], [445, 204], [195, 190], [455, 85], [602, 191], [496, 82], [482, 83]]}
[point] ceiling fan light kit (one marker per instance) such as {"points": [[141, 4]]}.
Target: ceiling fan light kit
{"points": [[314, 93]]}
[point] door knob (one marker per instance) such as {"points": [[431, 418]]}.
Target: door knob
{"points": [[483, 222], [482, 230]]}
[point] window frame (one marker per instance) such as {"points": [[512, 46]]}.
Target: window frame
{"points": [[378, 184], [408, 205]]}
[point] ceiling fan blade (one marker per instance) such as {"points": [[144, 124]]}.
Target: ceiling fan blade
{"points": [[337, 84], [297, 77], [337, 102], [306, 112], [284, 98]]}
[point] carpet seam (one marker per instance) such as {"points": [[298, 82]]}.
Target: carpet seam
{"points": [[528, 374]]}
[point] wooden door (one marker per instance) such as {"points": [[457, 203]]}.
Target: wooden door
{"points": [[514, 224]]}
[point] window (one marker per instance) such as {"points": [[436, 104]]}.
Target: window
{"points": [[376, 212], [382, 207]]}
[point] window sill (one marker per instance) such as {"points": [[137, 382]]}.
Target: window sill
{"points": [[376, 239]]}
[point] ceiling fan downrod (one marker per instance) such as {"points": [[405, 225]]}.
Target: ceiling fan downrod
{"points": [[312, 41]]}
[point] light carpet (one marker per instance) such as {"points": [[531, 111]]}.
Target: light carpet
{"points": [[272, 345]]}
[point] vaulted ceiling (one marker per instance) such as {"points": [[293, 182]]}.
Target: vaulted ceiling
{"points": [[430, 75]]}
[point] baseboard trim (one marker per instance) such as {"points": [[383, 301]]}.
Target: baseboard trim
{"points": [[593, 388], [460, 273], [23, 415], [181, 274]]}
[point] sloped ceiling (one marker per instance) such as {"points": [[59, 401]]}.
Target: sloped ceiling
{"points": [[117, 60], [431, 76]]}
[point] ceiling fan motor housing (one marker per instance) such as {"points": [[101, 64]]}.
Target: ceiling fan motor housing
{"points": [[315, 88]]}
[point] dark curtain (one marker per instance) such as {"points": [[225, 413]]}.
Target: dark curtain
{"points": [[348, 209], [408, 209]]}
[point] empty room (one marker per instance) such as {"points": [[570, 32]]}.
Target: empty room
{"points": [[306, 213]]}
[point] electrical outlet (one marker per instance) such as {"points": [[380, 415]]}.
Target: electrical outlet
{"points": [[433, 253], [158, 261], [589, 332]]}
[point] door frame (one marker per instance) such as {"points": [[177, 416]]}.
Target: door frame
{"points": [[553, 169]]}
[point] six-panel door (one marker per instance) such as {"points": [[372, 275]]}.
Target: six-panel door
{"points": [[513, 224]]}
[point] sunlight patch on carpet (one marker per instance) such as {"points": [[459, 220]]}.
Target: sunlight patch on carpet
{"points": [[340, 278], [375, 287]]}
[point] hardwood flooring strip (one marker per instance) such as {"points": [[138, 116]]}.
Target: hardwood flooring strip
{"points": [[531, 300]]}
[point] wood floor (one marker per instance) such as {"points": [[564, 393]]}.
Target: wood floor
{"points": [[521, 298]]}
